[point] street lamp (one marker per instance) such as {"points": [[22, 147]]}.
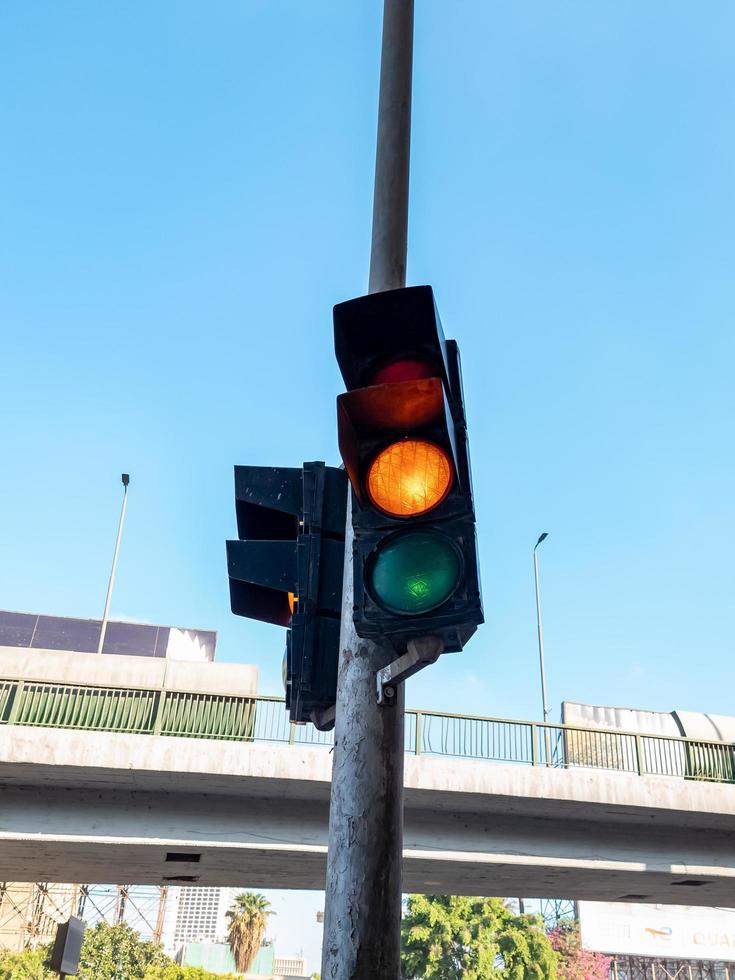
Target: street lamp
{"points": [[542, 537], [125, 481]]}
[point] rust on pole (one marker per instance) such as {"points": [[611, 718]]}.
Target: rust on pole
{"points": [[363, 886]]}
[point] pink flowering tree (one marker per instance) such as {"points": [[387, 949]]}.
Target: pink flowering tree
{"points": [[576, 963]]}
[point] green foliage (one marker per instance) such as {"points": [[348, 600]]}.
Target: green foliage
{"points": [[172, 971], [117, 953], [248, 917], [452, 936], [28, 965], [108, 953]]}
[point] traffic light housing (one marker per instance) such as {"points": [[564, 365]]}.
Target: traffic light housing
{"points": [[286, 569], [67, 948], [403, 439]]}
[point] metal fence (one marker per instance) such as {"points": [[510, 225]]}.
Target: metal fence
{"points": [[264, 719]]}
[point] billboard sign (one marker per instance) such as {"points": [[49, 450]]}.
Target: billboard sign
{"points": [[669, 931], [38, 632]]}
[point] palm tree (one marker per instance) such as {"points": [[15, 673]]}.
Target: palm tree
{"points": [[248, 917]]}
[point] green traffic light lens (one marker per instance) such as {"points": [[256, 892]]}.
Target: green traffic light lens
{"points": [[414, 572]]}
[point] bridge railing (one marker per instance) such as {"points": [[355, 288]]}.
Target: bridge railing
{"points": [[195, 714]]}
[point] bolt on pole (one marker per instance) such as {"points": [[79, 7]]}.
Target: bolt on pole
{"points": [[363, 887]]}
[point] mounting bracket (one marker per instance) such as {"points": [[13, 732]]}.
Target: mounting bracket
{"points": [[422, 651]]}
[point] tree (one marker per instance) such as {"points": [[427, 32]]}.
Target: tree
{"points": [[117, 953], [248, 918], [576, 963], [31, 964], [451, 936]]}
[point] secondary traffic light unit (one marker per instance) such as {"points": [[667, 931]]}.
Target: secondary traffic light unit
{"points": [[286, 569], [403, 438]]}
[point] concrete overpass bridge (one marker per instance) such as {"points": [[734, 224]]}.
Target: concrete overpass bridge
{"points": [[152, 772]]}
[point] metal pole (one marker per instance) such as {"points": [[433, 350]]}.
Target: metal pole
{"points": [[363, 886], [110, 584], [540, 632], [390, 198]]}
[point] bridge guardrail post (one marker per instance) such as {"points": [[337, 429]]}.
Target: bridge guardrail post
{"points": [[548, 756], [418, 733], [534, 746], [158, 713], [15, 707], [639, 754]]}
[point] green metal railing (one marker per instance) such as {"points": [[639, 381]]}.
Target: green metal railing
{"points": [[263, 719]]}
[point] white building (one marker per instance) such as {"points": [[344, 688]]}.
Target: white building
{"points": [[197, 915], [289, 966]]}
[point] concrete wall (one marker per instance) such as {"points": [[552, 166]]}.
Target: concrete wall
{"points": [[624, 719], [70, 667], [691, 724]]}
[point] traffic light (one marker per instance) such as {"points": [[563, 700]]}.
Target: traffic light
{"points": [[286, 569], [64, 958], [403, 438]]}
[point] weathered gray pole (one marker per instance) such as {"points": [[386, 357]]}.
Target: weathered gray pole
{"points": [[363, 900], [390, 198]]}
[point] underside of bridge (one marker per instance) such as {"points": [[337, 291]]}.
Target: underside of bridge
{"points": [[81, 806]]}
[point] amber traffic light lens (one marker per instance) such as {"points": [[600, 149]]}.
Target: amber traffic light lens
{"points": [[292, 600], [409, 477]]}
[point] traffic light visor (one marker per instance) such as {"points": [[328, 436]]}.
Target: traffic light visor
{"points": [[409, 477], [396, 325], [414, 572], [371, 419]]}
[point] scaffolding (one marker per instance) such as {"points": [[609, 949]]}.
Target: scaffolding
{"points": [[31, 911], [654, 968], [555, 911], [142, 907]]}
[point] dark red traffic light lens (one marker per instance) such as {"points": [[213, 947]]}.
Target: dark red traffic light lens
{"points": [[406, 369]]}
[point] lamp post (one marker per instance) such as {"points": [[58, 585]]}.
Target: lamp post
{"points": [[125, 481], [545, 704]]}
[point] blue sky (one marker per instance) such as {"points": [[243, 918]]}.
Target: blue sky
{"points": [[185, 193]]}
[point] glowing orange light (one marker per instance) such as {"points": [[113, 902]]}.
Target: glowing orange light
{"points": [[292, 600], [409, 477]]}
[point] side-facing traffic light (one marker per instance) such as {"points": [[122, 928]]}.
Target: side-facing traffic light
{"points": [[286, 569], [403, 439]]}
